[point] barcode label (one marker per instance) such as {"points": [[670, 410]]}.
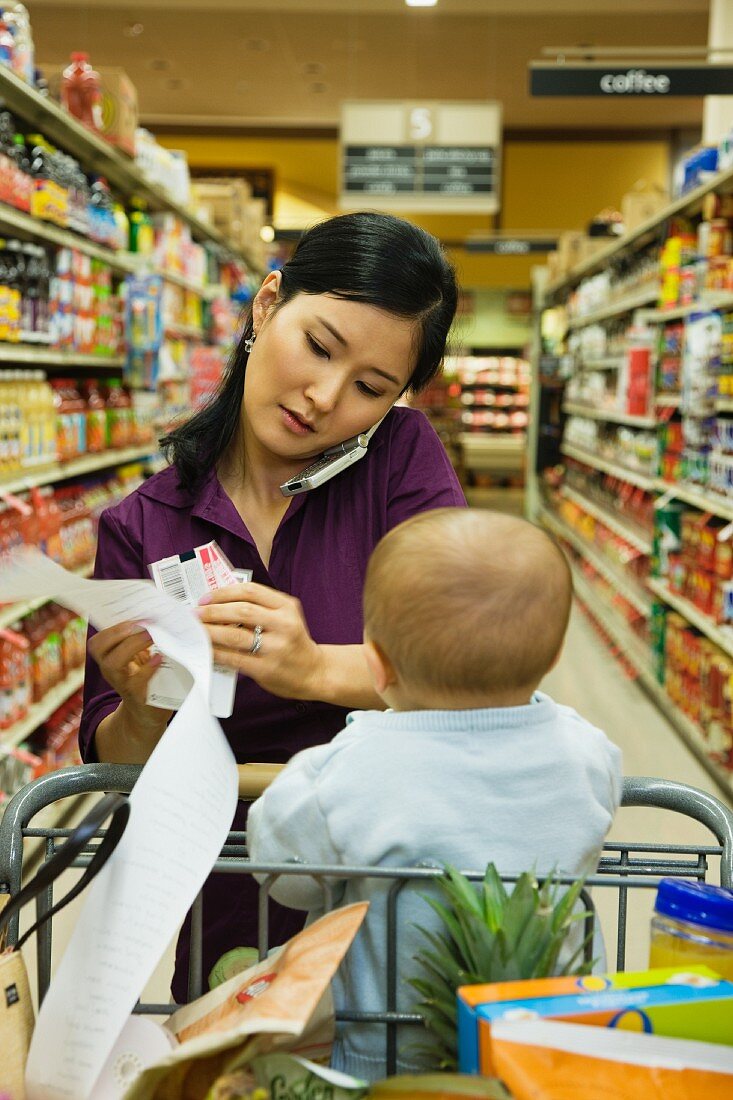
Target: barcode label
{"points": [[171, 580]]}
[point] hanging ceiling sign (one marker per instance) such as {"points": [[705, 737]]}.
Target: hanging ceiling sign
{"points": [[511, 246], [621, 81], [426, 157]]}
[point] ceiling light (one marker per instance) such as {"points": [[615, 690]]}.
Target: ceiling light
{"points": [[267, 233], [421, 3]]}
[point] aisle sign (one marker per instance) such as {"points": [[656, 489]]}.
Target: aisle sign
{"points": [[427, 157], [621, 81]]}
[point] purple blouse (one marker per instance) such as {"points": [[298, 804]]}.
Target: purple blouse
{"points": [[319, 554]]}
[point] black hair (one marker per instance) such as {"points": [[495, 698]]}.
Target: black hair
{"points": [[378, 259]]}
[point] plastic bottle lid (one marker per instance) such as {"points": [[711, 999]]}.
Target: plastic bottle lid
{"points": [[696, 903]]}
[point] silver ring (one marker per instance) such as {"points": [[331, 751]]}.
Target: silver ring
{"points": [[256, 640]]}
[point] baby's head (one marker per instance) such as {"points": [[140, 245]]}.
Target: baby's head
{"points": [[464, 609]]}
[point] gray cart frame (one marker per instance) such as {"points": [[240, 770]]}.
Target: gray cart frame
{"points": [[623, 867]]}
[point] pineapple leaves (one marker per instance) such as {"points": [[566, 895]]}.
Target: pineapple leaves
{"points": [[492, 934]]}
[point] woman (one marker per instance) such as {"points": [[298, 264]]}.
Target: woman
{"points": [[359, 315]]}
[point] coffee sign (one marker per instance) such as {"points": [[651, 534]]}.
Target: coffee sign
{"points": [[613, 81]]}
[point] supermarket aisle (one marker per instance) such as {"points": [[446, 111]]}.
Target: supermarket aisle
{"points": [[589, 679]]}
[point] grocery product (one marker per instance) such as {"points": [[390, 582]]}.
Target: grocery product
{"points": [[81, 91], [693, 1003], [693, 926]]}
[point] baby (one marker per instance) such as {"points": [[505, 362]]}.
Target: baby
{"points": [[464, 614]]}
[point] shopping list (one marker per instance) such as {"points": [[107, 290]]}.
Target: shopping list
{"points": [[181, 810]]}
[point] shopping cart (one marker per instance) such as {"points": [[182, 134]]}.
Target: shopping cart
{"points": [[624, 867]]}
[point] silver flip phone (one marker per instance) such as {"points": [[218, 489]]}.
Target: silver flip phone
{"points": [[330, 463]]}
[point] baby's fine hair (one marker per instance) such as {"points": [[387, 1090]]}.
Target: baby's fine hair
{"points": [[465, 601]]}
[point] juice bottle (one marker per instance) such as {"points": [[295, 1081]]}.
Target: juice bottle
{"points": [[64, 424], [52, 514], [96, 419], [49, 449], [122, 225], [142, 233], [81, 91], [119, 414], [32, 413]]}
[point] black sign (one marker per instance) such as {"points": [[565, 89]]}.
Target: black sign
{"points": [[445, 169], [619, 82], [512, 246]]}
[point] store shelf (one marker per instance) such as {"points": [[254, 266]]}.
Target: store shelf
{"points": [[183, 332], [667, 400], [629, 646], [38, 356], [724, 405], [721, 635], [642, 544], [17, 222], [95, 153], [607, 362], [141, 265], [630, 592], [493, 451], [42, 711], [627, 304], [713, 503], [708, 302], [610, 416], [10, 613], [89, 464], [642, 481], [686, 204]]}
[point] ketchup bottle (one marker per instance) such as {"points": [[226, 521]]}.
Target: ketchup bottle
{"points": [[81, 91]]}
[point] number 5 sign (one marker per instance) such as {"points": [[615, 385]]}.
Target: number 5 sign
{"points": [[421, 123], [421, 157]]}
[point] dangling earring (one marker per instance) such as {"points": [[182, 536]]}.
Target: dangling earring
{"points": [[249, 342]]}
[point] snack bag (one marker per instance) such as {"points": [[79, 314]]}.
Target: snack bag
{"points": [[281, 1004]]}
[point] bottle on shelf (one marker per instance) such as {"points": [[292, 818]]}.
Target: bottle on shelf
{"points": [[81, 91], [7, 44], [18, 20], [142, 233], [97, 432], [119, 415]]}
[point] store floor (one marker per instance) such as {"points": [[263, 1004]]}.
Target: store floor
{"points": [[589, 679]]}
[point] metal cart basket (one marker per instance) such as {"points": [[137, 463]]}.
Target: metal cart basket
{"points": [[624, 868]]}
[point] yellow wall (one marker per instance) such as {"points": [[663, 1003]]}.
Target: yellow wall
{"points": [[546, 185]]}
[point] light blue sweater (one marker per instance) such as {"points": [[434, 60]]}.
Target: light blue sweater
{"points": [[530, 786]]}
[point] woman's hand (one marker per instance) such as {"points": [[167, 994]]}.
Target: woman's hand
{"points": [[287, 661], [124, 658]]}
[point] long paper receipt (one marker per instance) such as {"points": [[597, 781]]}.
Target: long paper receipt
{"points": [[181, 810]]}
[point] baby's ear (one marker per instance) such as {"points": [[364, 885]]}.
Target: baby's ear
{"points": [[381, 671]]}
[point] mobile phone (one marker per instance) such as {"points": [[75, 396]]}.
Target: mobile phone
{"points": [[328, 464]]}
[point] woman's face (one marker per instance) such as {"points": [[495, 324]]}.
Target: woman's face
{"points": [[322, 369]]}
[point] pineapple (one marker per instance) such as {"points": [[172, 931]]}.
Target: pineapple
{"points": [[491, 935]]}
